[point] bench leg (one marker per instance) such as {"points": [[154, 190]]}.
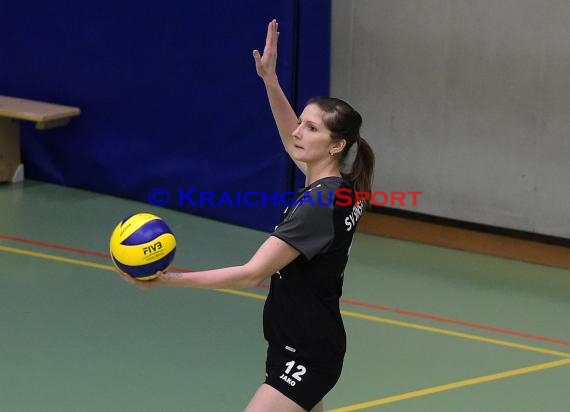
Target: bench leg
{"points": [[9, 150], [18, 174]]}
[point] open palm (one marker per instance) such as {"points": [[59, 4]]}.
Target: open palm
{"points": [[266, 64]]}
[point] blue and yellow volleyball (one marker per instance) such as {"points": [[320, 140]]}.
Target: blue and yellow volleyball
{"points": [[141, 245]]}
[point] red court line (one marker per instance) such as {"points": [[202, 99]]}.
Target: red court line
{"points": [[455, 322], [53, 246], [344, 301]]}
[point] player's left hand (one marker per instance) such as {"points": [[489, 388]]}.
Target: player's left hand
{"points": [[143, 284], [266, 64]]}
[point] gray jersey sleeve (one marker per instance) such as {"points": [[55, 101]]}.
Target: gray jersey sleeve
{"points": [[309, 228]]}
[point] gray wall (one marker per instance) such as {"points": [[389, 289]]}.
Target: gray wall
{"points": [[467, 101]]}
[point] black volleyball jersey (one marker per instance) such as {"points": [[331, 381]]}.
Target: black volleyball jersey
{"points": [[301, 313]]}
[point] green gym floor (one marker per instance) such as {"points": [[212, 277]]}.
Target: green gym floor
{"points": [[429, 329]]}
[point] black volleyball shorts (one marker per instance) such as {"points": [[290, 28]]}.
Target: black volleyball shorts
{"points": [[302, 381]]}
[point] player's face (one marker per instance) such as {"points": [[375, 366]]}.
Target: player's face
{"points": [[311, 139]]}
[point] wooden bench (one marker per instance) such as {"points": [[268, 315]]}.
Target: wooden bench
{"points": [[12, 110]]}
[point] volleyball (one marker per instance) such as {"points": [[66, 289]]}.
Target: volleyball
{"points": [[141, 245]]}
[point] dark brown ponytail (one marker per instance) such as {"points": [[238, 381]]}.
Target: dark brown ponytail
{"points": [[362, 173]]}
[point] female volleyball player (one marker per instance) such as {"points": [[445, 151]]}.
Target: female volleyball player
{"points": [[306, 254]]}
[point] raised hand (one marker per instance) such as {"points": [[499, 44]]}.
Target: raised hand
{"points": [[266, 65]]}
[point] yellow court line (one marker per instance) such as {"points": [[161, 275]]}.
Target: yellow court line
{"points": [[453, 385], [357, 315], [55, 257], [456, 334]]}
